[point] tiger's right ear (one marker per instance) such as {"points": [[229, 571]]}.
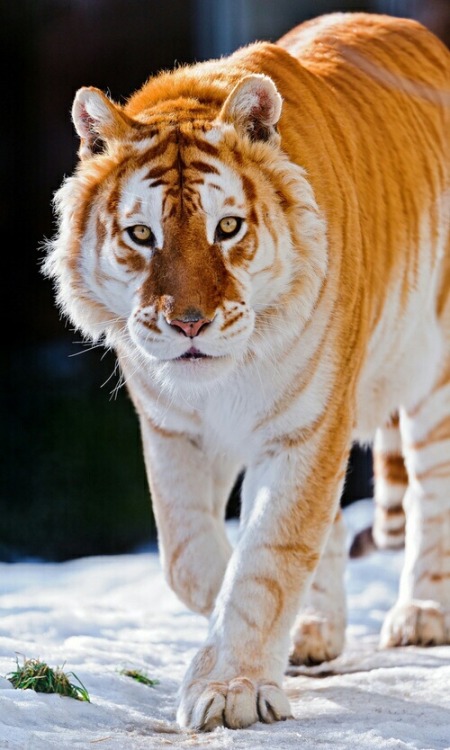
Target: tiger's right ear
{"points": [[254, 107], [96, 120]]}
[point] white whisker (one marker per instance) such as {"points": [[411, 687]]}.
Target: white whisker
{"points": [[85, 351]]}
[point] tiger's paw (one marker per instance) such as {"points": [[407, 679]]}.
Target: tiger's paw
{"points": [[418, 623], [316, 638], [235, 704]]}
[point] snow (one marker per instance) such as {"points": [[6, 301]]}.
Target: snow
{"points": [[98, 615]]}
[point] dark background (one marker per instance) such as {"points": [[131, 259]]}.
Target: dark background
{"points": [[72, 474]]}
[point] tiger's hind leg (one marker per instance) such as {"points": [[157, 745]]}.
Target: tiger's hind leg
{"points": [[387, 530], [391, 482], [319, 631], [421, 615]]}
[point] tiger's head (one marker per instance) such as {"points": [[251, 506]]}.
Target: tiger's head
{"points": [[185, 230]]}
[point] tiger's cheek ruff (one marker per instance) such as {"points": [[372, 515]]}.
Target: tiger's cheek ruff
{"points": [[286, 232], [95, 272], [72, 266], [105, 270], [291, 258]]}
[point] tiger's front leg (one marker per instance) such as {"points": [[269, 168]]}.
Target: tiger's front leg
{"points": [[189, 494], [235, 679], [319, 631]]}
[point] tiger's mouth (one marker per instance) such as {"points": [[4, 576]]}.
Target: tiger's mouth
{"points": [[193, 353], [194, 367]]}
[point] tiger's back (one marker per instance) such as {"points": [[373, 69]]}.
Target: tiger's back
{"points": [[393, 82], [394, 88]]}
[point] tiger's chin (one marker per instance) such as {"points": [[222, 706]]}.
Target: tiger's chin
{"points": [[191, 374]]}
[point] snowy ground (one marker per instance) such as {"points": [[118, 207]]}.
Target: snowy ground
{"points": [[98, 615]]}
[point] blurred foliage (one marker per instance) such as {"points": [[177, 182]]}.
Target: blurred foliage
{"points": [[73, 480]]}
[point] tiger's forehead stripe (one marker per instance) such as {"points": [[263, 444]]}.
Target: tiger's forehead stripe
{"points": [[138, 204], [201, 166], [156, 150], [135, 209], [180, 162]]}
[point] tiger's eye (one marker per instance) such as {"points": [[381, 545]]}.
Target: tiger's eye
{"points": [[141, 234], [228, 227]]}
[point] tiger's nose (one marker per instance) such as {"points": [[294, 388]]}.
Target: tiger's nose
{"points": [[191, 325]]}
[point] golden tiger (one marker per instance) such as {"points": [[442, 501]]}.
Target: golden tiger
{"points": [[264, 240]]}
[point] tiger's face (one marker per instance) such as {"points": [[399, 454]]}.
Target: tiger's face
{"points": [[190, 252], [180, 233]]}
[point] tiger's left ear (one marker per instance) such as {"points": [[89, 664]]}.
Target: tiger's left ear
{"points": [[254, 107], [97, 120]]}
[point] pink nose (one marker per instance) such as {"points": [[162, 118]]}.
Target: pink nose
{"points": [[191, 327]]}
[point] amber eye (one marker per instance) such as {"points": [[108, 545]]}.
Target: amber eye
{"points": [[141, 234], [228, 227]]}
